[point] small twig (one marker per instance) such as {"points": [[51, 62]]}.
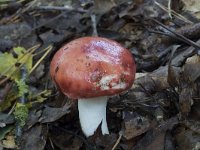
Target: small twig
{"points": [[22, 100], [23, 78], [51, 143], [164, 33], [182, 38], [94, 25], [12, 109], [29, 5], [149, 106], [173, 13], [16, 15], [48, 49], [159, 32], [58, 8], [118, 140], [169, 8]]}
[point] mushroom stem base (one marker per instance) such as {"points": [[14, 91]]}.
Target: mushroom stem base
{"points": [[92, 112]]}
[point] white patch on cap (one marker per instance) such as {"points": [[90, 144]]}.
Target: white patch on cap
{"points": [[126, 73], [120, 85], [106, 83]]}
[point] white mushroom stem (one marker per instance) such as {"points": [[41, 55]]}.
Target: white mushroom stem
{"points": [[92, 112]]}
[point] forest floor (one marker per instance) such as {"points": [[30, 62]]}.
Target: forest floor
{"points": [[160, 111]]}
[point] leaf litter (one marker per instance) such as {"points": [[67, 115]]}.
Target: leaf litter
{"points": [[160, 111]]}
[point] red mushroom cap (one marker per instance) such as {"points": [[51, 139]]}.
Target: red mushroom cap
{"points": [[91, 67]]}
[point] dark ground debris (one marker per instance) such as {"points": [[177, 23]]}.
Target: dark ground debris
{"points": [[160, 111]]}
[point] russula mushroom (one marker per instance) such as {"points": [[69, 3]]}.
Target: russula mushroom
{"points": [[90, 69]]}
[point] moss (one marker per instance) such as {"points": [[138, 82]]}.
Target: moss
{"points": [[21, 114]]}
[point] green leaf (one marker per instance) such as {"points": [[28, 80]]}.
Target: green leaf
{"points": [[4, 131], [24, 57], [10, 98], [21, 113], [10, 63], [38, 98], [22, 87]]}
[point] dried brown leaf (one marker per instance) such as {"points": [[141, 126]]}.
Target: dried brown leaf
{"points": [[185, 100], [135, 124], [51, 114], [173, 75], [155, 81], [35, 138], [65, 141], [191, 69], [155, 138], [103, 6], [186, 139]]}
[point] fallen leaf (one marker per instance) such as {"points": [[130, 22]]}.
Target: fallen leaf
{"points": [[185, 100], [187, 84], [155, 139], [33, 117], [179, 60], [151, 141], [65, 141], [10, 62], [20, 33], [169, 141], [34, 138], [151, 82], [192, 6], [7, 119], [134, 125], [186, 139], [4, 131], [51, 114], [191, 69], [106, 142], [173, 75], [195, 111], [9, 142], [107, 5]]}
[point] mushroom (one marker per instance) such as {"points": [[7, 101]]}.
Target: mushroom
{"points": [[90, 69]]}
